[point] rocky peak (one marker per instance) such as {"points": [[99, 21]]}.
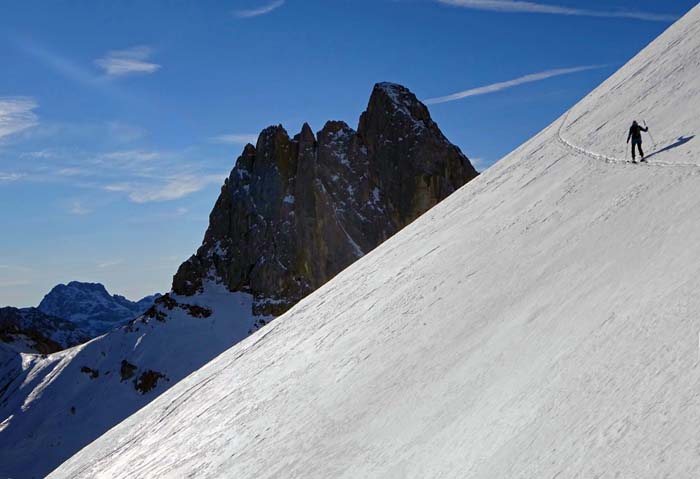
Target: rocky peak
{"points": [[391, 98], [393, 105], [295, 212], [90, 307], [94, 288], [306, 136]]}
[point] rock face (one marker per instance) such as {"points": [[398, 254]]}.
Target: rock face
{"points": [[29, 330], [296, 211], [91, 308]]}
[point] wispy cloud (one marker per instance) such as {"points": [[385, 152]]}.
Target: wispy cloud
{"points": [[11, 283], [515, 6], [109, 263], [106, 165], [495, 87], [256, 12], [236, 139], [174, 187], [17, 114], [11, 267], [124, 132], [106, 134], [142, 176], [137, 161], [44, 154], [61, 65], [79, 209], [8, 177], [127, 62]]}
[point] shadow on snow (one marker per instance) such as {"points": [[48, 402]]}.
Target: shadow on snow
{"points": [[682, 140]]}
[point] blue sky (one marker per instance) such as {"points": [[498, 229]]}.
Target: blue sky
{"points": [[119, 120]]}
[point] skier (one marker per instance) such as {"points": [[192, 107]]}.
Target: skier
{"points": [[636, 136]]}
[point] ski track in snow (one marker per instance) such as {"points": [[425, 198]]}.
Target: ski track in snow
{"points": [[611, 159]]}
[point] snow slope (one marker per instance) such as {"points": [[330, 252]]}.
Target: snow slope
{"points": [[53, 405], [541, 322]]}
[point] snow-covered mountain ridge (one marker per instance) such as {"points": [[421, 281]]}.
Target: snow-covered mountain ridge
{"points": [[55, 403], [540, 322]]}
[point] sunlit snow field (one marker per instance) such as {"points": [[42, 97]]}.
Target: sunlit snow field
{"points": [[541, 322]]}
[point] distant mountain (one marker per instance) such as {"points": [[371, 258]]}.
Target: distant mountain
{"points": [[91, 308], [292, 214]]}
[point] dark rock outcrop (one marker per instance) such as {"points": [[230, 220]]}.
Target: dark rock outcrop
{"points": [[296, 211], [127, 370], [29, 330], [147, 381]]}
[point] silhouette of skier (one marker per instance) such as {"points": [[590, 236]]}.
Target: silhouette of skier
{"points": [[636, 136]]}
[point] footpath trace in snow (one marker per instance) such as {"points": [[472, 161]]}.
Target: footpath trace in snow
{"points": [[541, 322]]}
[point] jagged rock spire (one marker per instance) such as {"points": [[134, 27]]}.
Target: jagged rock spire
{"points": [[296, 211]]}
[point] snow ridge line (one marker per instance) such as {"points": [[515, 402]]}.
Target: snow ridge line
{"points": [[612, 159]]}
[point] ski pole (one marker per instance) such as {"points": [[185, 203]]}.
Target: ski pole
{"points": [[650, 136]]}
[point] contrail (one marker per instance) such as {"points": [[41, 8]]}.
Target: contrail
{"points": [[533, 77], [515, 6]]}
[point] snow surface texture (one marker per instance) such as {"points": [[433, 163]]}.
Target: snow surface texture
{"points": [[53, 405], [541, 322]]}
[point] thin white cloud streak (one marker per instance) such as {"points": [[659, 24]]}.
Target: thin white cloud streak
{"points": [[236, 139], [109, 263], [21, 269], [61, 65], [127, 62], [514, 6], [495, 87], [12, 283], [175, 187], [130, 157], [17, 114], [256, 12], [8, 177], [41, 154], [69, 69], [141, 176], [105, 132]]}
